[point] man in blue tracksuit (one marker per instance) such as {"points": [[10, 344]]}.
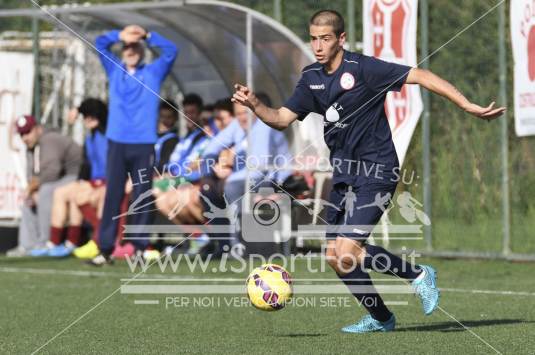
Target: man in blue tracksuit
{"points": [[132, 125]]}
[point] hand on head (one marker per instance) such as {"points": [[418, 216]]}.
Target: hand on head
{"points": [[132, 34]]}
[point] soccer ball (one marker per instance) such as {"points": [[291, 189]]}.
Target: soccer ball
{"points": [[269, 287]]}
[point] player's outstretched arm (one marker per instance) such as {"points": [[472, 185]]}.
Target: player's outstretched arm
{"points": [[440, 86], [275, 118]]}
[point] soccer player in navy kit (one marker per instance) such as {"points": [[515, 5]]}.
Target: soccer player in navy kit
{"points": [[349, 89]]}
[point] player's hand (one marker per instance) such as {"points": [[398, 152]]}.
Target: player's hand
{"points": [[129, 38], [132, 34], [487, 113], [137, 30], [33, 186], [244, 96], [31, 201]]}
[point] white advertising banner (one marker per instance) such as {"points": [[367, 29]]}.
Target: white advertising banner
{"points": [[390, 34], [523, 40], [16, 92]]}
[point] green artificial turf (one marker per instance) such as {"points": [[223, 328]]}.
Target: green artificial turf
{"points": [[41, 297]]}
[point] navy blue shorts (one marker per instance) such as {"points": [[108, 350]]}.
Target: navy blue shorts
{"points": [[356, 210]]}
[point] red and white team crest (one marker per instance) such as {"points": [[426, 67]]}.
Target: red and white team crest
{"points": [[390, 34], [347, 81], [389, 18], [390, 23]]}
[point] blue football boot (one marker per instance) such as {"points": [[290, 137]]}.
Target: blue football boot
{"points": [[368, 324], [61, 251], [426, 288]]}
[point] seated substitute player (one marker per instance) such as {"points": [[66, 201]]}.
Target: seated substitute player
{"points": [[183, 204], [85, 196], [167, 134], [248, 162], [53, 160], [349, 89]]}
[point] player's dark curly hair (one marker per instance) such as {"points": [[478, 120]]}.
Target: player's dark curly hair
{"points": [[224, 104], [95, 108], [170, 105], [329, 18], [193, 99]]}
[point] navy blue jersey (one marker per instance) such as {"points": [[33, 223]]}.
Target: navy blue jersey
{"points": [[356, 128]]}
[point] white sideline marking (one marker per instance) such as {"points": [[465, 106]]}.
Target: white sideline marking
{"points": [[146, 301], [124, 276], [58, 272], [182, 278], [240, 288], [490, 292], [396, 303], [230, 279]]}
